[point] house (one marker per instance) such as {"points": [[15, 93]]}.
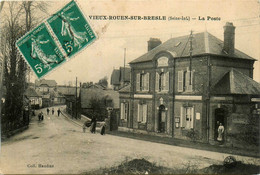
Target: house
{"points": [[57, 98], [34, 98], [183, 88], [98, 100], [69, 94], [45, 86], [120, 77]]}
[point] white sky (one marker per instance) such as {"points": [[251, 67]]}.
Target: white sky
{"points": [[99, 59]]}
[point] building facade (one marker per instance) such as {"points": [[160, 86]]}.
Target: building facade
{"points": [[186, 86]]}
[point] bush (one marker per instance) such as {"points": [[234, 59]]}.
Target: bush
{"points": [[192, 135]]}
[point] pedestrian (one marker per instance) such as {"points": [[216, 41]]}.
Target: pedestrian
{"points": [[220, 132], [84, 127], [59, 112], [103, 129], [42, 117], [52, 111], [48, 110], [39, 116], [93, 124]]}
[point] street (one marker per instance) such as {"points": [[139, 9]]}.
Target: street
{"points": [[56, 145]]}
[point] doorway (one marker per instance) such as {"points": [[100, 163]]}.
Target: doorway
{"points": [[219, 118], [162, 118]]}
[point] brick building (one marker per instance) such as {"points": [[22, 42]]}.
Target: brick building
{"points": [[175, 95]]}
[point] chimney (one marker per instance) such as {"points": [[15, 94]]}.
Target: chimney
{"points": [[229, 38], [153, 42]]}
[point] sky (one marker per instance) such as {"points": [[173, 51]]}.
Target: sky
{"points": [[107, 52]]}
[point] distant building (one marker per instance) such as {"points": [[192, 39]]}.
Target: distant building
{"points": [[45, 86], [98, 100], [120, 77], [171, 94], [34, 98]]}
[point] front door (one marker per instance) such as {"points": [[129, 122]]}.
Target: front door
{"points": [[219, 118], [162, 118]]}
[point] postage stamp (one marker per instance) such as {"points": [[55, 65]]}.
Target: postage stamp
{"points": [[40, 50], [71, 28]]}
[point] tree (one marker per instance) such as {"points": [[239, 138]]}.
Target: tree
{"points": [[103, 82], [17, 20], [87, 84]]}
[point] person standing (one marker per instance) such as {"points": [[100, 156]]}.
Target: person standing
{"points": [[59, 112], [103, 129], [40, 116], [220, 132], [52, 111], [48, 110], [93, 124], [84, 127]]}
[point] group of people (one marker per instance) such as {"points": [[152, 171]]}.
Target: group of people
{"points": [[41, 116], [92, 126], [52, 111]]}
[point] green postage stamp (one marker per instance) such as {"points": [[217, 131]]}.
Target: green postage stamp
{"points": [[40, 50], [50, 44], [71, 28]]}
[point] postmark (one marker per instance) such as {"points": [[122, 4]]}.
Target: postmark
{"points": [[40, 50], [71, 28]]}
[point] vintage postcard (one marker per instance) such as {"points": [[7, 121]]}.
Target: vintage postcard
{"points": [[130, 87]]}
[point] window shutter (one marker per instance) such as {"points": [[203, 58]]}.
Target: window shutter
{"points": [[192, 78], [180, 81], [147, 81], [157, 82], [122, 111], [144, 113], [138, 82], [192, 117], [187, 80], [166, 81]]}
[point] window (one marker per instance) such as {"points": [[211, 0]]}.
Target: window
{"points": [[124, 111], [185, 80], [162, 81], [187, 117], [180, 81], [142, 82], [142, 113]]}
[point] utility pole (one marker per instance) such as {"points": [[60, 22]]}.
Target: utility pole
{"points": [[124, 66], [191, 36], [76, 106]]}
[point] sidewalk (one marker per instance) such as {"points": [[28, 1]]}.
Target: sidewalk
{"points": [[173, 141]]}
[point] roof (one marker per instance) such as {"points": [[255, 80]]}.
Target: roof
{"points": [[96, 86], [68, 90], [120, 75], [127, 73], [202, 43], [54, 93], [115, 77], [30, 92], [125, 89], [235, 82], [87, 94], [50, 83]]}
